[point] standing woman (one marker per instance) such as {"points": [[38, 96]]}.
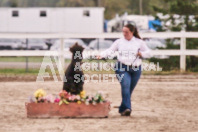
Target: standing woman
{"points": [[131, 50]]}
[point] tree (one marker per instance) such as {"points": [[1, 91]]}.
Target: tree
{"points": [[112, 7], [182, 16]]}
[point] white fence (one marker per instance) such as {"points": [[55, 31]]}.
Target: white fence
{"points": [[183, 52]]}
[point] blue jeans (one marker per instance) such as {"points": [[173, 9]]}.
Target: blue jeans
{"points": [[128, 83]]}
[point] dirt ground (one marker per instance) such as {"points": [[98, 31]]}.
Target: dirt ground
{"points": [[160, 103]]}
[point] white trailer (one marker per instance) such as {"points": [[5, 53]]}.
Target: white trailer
{"points": [[52, 20], [141, 22]]}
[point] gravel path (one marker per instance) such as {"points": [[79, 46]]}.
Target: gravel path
{"points": [[160, 103]]}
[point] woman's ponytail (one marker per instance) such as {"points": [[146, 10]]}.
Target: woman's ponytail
{"points": [[136, 34], [134, 30]]}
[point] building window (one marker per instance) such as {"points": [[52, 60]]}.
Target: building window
{"points": [[15, 13], [86, 13], [43, 14]]}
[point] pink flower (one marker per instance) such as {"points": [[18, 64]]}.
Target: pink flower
{"points": [[70, 98], [78, 97], [57, 100], [64, 94], [73, 97], [90, 98], [49, 98]]}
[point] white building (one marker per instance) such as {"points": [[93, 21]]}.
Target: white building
{"points": [[52, 20]]}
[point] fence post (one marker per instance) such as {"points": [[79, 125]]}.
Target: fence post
{"points": [[183, 55], [26, 58], [62, 59]]}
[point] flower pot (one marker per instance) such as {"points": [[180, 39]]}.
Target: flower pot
{"points": [[72, 110]]}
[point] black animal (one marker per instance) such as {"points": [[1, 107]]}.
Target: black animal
{"points": [[74, 74]]}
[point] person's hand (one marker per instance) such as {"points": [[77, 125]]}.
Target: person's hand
{"points": [[139, 54], [98, 57]]}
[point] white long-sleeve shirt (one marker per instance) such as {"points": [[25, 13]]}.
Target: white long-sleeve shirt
{"points": [[126, 51]]}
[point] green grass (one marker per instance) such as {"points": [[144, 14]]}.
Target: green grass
{"points": [[19, 71], [173, 72], [23, 59], [36, 71], [40, 59]]}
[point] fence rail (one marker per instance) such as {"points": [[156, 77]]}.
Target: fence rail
{"points": [[182, 52]]}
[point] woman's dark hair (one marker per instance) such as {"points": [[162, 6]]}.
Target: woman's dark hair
{"points": [[133, 29]]}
